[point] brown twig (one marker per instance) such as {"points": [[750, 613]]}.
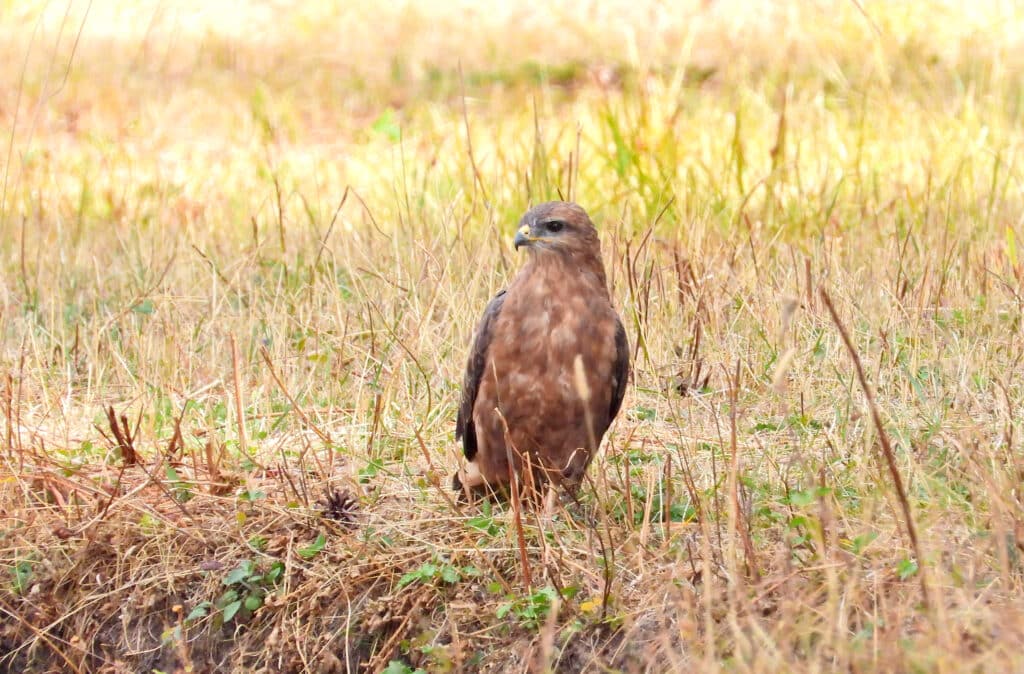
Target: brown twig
{"points": [[295, 406], [330, 228], [9, 412], [741, 526], [177, 442], [433, 473], [280, 214], [890, 456], [123, 437], [516, 502], [478, 181], [239, 413]]}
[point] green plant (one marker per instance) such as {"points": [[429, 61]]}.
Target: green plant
{"points": [[313, 548], [438, 570], [399, 667], [181, 489], [21, 576], [247, 587], [485, 522], [531, 610]]}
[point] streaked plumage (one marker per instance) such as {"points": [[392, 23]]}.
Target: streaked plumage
{"points": [[523, 361]]}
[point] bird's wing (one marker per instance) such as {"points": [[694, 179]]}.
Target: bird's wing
{"points": [[464, 427], [620, 371]]}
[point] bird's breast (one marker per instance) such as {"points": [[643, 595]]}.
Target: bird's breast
{"points": [[549, 335]]}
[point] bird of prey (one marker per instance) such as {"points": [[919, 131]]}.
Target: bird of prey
{"points": [[548, 368]]}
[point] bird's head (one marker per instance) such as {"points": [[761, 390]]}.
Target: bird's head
{"points": [[558, 227]]}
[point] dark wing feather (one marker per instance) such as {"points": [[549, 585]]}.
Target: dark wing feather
{"points": [[465, 429], [620, 372]]}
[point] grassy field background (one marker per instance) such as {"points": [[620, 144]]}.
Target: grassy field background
{"points": [[256, 240]]}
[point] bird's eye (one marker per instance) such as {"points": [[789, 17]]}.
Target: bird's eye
{"points": [[555, 225]]}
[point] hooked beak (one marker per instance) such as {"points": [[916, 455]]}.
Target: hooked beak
{"points": [[523, 237]]}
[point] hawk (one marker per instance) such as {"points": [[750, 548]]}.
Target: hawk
{"points": [[548, 367]]}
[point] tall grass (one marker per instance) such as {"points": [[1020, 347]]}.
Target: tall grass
{"points": [[263, 236]]}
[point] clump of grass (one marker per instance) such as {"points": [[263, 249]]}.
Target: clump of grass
{"points": [[258, 262]]}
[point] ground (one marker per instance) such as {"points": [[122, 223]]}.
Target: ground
{"points": [[243, 250]]}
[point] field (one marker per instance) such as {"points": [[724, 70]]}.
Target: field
{"points": [[243, 250]]}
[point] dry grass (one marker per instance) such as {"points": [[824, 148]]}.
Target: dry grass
{"points": [[262, 238]]}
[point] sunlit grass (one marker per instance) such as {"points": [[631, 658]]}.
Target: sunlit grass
{"points": [[334, 191]]}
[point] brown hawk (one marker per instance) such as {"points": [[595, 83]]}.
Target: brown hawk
{"points": [[549, 364]]}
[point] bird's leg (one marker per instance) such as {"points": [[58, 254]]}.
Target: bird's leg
{"points": [[550, 499], [470, 476], [472, 486]]}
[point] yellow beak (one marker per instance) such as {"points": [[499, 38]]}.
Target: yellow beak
{"points": [[523, 237]]}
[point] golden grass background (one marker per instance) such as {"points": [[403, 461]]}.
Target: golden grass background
{"points": [[332, 189]]}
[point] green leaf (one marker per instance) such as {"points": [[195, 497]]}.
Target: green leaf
{"points": [[408, 578], [239, 573], [387, 126], [397, 667], [311, 550], [545, 595], [171, 635], [426, 571], [450, 575], [906, 568], [198, 612], [503, 610], [645, 413], [682, 512], [231, 609], [253, 602], [801, 498], [22, 573], [570, 591], [861, 542], [276, 569], [144, 307], [483, 524], [623, 154], [371, 470]]}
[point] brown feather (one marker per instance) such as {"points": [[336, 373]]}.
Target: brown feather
{"points": [[556, 309]]}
